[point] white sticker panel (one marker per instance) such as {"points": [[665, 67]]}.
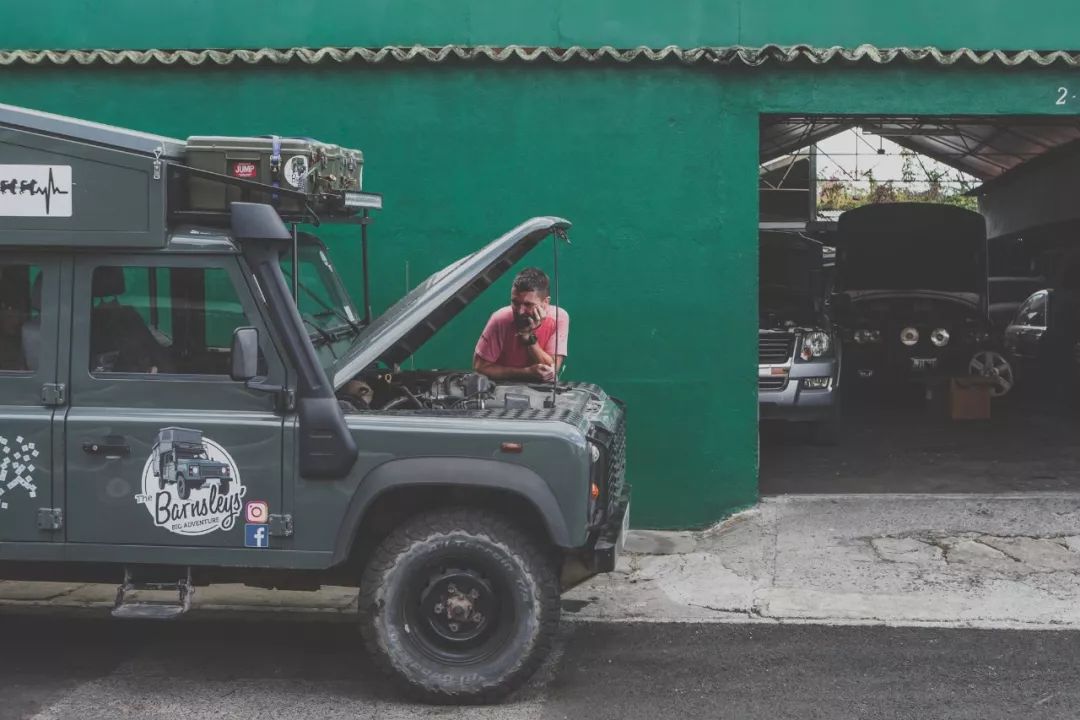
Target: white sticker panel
{"points": [[35, 191]]}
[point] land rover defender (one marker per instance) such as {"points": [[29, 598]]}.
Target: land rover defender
{"points": [[164, 320]]}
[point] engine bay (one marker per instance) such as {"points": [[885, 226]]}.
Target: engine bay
{"points": [[441, 390]]}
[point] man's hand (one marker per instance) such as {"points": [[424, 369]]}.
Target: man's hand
{"points": [[541, 371], [536, 319]]}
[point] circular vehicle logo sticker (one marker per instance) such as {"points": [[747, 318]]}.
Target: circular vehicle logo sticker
{"points": [[296, 171], [190, 484]]}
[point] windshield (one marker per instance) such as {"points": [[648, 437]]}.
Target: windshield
{"points": [[331, 318]]}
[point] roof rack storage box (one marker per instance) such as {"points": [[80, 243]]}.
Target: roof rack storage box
{"points": [[309, 166]]}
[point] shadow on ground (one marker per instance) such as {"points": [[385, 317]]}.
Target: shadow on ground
{"points": [[888, 447]]}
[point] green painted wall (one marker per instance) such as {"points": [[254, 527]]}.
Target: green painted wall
{"points": [[984, 24]]}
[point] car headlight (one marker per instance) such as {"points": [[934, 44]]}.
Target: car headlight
{"points": [[865, 337], [194, 470], [940, 337], [815, 344], [909, 336]]}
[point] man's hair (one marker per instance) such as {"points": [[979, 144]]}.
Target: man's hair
{"points": [[532, 280]]}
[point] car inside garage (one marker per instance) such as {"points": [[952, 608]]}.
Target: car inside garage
{"points": [[919, 334]]}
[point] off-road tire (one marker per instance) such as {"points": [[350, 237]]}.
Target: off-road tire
{"points": [[224, 487], [400, 561], [182, 488]]}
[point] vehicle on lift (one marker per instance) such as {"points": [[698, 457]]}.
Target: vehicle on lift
{"points": [[798, 349], [912, 296], [181, 458], [159, 292]]}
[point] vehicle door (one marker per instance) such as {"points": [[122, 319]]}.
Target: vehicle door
{"points": [[1025, 333], [31, 290], [162, 447]]}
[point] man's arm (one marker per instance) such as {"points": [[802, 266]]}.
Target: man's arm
{"points": [[555, 352], [537, 371], [539, 356]]}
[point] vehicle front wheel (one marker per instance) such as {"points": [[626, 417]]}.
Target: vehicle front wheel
{"points": [[459, 605], [995, 366], [182, 488]]}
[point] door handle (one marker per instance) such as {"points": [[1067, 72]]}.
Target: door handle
{"points": [[110, 447]]}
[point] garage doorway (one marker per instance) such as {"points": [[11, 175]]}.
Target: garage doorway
{"points": [[899, 350]]}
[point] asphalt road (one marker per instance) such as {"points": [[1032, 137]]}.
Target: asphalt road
{"points": [[52, 667]]}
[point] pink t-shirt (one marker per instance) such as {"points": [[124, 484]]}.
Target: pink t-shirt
{"points": [[500, 344]]}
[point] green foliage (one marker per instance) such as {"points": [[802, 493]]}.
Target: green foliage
{"points": [[918, 183]]}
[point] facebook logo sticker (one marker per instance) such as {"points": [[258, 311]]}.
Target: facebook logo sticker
{"points": [[257, 536]]}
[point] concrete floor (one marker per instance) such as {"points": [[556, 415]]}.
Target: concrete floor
{"points": [[884, 448]]}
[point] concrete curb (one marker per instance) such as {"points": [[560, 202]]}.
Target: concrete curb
{"points": [[983, 561]]}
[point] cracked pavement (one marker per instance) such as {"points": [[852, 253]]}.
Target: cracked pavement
{"points": [[942, 560]]}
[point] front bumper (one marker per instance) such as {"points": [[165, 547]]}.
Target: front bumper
{"points": [[793, 401], [609, 544]]}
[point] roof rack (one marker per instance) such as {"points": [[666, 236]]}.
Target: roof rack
{"points": [[340, 207]]}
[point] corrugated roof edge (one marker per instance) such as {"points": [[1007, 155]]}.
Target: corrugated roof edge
{"points": [[721, 56]]}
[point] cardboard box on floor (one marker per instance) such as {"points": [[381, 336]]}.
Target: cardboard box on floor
{"points": [[969, 398]]}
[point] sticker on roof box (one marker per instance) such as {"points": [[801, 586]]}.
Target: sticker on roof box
{"points": [[245, 169], [296, 171], [190, 484], [35, 191]]}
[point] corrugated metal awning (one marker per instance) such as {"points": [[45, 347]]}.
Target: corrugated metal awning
{"points": [[720, 56], [985, 147]]}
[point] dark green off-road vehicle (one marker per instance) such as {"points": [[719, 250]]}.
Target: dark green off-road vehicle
{"points": [[188, 395]]}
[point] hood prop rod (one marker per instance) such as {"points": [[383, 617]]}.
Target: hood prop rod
{"points": [[556, 235]]}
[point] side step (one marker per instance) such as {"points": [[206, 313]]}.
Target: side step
{"points": [[128, 608]]}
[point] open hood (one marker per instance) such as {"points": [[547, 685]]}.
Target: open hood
{"points": [[912, 246], [412, 321], [790, 268]]}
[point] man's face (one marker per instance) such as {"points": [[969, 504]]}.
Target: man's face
{"points": [[525, 304]]}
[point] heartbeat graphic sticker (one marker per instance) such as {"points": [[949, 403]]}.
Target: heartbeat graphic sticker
{"points": [[35, 190]]}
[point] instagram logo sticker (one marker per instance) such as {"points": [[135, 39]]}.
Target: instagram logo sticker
{"points": [[257, 512]]}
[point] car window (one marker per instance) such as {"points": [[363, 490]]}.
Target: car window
{"points": [[1033, 311], [19, 317], [163, 320]]}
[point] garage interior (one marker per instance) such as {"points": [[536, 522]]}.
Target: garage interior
{"points": [[911, 441]]}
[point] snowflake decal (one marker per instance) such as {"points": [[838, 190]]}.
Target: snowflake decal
{"points": [[17, 467]]}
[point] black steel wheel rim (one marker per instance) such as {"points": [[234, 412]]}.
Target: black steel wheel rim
{"points": [[459, 608]]}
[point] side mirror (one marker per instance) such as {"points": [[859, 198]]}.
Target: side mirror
{"points": [[245, 354]]}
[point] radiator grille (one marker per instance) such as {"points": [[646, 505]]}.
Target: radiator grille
{"points": [[775, 349]]}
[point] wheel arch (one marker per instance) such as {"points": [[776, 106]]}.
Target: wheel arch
{"points": [[479, 478]]}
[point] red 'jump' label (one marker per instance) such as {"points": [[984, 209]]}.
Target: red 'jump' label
{"points": [[244, 169]]}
